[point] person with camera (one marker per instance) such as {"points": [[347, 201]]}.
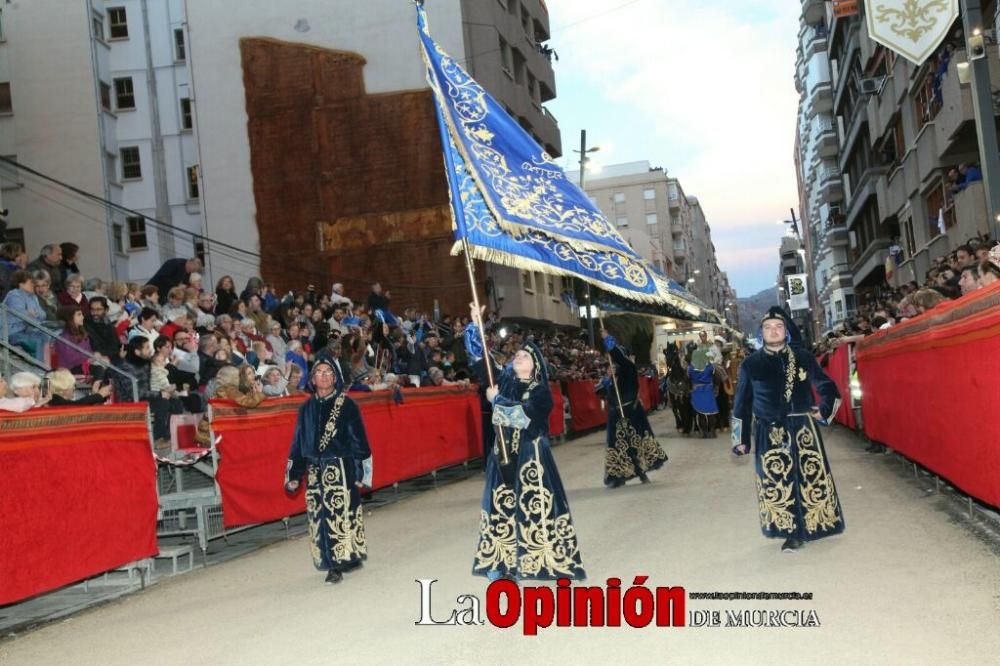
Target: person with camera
{"points": [[330, 451]]}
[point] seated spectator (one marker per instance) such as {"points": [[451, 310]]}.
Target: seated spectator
{"points": [[62, 386], [21, 299], [273, 382], [16, 404], [133, 297], [146, 327], [70, 257], [225, 295], [47, 299], [28, 385], [296, 378], [227, 387], [73, 347], [278, 345], [989, 272], [12, 258], [965, 256], [73, 293], [969, 281], [93, 287], [926, 299], [295, 356], [238, 311], [256, 313], [185, 361], [204, 311], [269, 300], [175, 304], [208, 364], [195, 281], [149, 297], [50, 261]]}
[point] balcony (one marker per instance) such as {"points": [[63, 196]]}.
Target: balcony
{"points": [[813, 11], [896, 196], [971, 216], [870, 266], [826, 138], [831, 185], [836, 235], [928, 164]]}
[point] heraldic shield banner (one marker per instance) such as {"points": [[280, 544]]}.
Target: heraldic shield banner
{"points": [[911, 28]]}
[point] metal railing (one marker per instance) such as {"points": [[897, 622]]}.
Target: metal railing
{"points": [[6, 313]]}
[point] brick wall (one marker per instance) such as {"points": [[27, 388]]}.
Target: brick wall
{"points": [[349, 187]]}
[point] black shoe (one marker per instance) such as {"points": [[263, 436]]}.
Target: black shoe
{"points": [[791, 545], [351, 566], [643, 477], [617, 483], [872, 448], [333, 577]]}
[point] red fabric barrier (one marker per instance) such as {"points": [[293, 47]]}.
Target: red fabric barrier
{"points": [[929, 389], [585, 406], [839, 369], [649, 392], [557, 424], [433, 428], [77, 495]]}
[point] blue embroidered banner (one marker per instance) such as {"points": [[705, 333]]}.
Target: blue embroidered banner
{"points": [[514, 206]]}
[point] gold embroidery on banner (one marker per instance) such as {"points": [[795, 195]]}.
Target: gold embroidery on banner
{"points": [[913, 20], [819, 496], [775, 490]]}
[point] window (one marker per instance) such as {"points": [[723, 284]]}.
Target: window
{"points": [[187, 120], [118, 23], [551, 283], [116, 233], [621, 221], [926, 103], [519, 67], [199, 251], [651, 218], [505, 62], [6, 103], [124, 94], [938, 205], [526, 282], [911, 243], [619, 197], [180, 52], [649, 194], [192, 181], [131, 164], [98, 23], [136, 233], [105, 96]]}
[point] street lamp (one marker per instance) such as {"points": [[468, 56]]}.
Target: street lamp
{"points": [[583, 170]]}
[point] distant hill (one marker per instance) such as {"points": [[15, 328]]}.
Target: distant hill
{"points": [[752, 308]]}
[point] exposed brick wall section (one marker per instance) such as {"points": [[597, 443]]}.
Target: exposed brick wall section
{"points": [[349, 187]]}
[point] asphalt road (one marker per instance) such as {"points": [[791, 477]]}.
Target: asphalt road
{"points": [[910, 581]]}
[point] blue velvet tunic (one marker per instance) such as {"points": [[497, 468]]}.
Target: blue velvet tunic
{"points": [[525, 528], [773, 417], [632, 448], [330, 448]]}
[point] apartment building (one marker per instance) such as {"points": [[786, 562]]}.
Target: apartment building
{"points": [[298, 137], [664, 225], [901, 131], [97, 95]]}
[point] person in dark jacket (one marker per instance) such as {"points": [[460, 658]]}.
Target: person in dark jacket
{"points": [[103, 336], [62, 385], [50, 261], [225, 295], [174, 272]]}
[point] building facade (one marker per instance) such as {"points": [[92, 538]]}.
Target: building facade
{"points": [[302, 144], [902, 133]]}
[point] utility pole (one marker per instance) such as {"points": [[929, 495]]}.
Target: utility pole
{"points": [[982, 102], [583, 170]]}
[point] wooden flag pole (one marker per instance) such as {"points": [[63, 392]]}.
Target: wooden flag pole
{"points": [[487, 359], [614, 375]]}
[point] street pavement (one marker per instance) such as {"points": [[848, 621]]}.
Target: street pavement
{"points": [[912, 580]]}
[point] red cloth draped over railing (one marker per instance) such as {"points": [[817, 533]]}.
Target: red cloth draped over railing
{"points": [[431, 429], [585, 406], [649, 392], [557, 424], [77, 495], [839, 369], [929, 390]]}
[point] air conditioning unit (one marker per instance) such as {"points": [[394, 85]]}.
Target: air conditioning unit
{"points": [[870, 86]]}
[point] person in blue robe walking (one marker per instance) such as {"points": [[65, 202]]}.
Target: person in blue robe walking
{"points": [[330, 448], [525, 529], [632, 448], [775, 416]]}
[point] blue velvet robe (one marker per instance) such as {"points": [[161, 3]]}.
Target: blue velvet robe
{"points": [[772, 417], [632, 448], [330, 448], [703, 390], [525, 528]]}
